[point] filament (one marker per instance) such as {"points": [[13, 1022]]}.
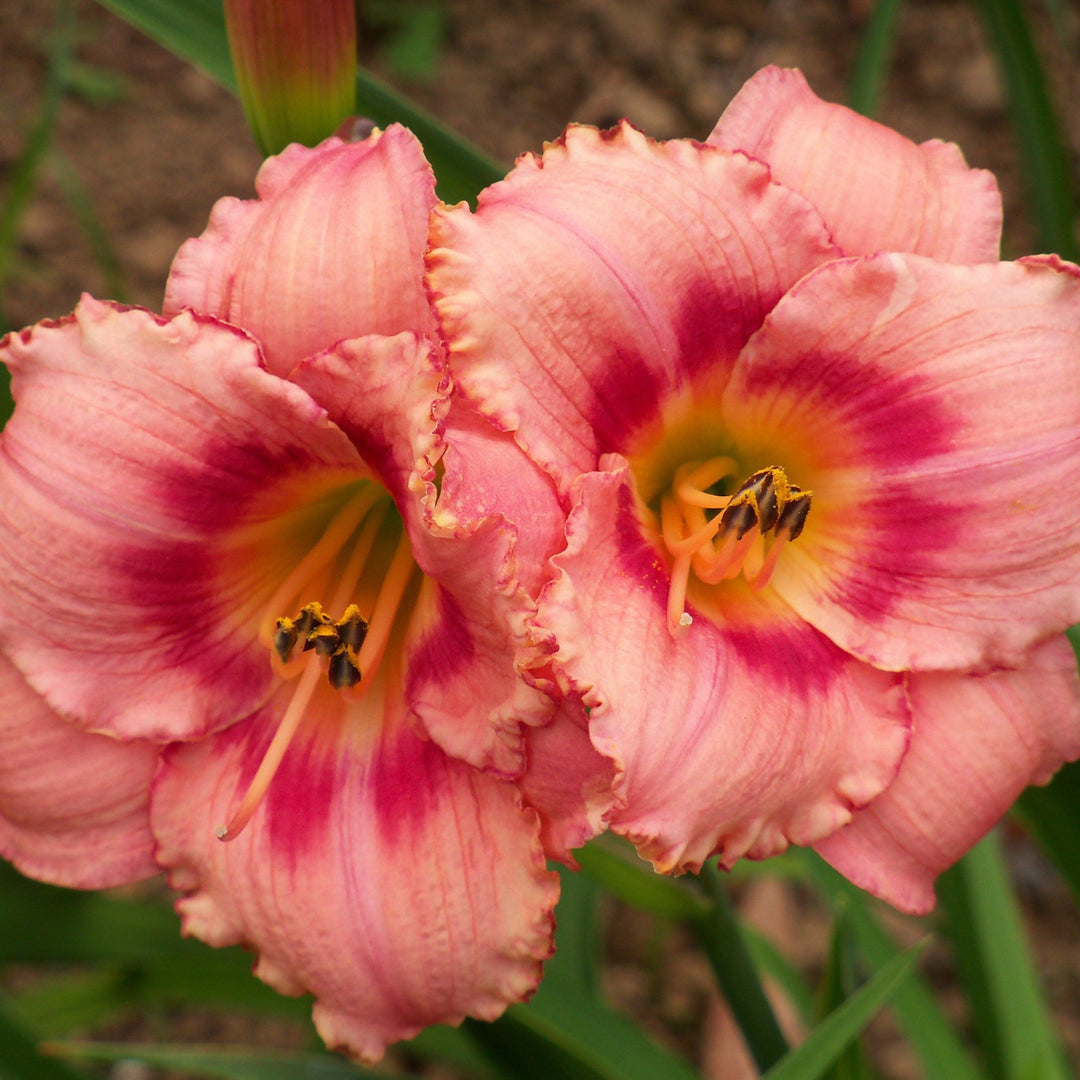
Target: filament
{"points": [[298, 704]]}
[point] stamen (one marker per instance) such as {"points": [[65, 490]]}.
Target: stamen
{"points": [[327, 547], [765, 499], [274, 753], [677, 615], [381, 623], [693, 487]]}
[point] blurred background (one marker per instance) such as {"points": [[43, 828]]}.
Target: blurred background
{"points": [[139, 145]]}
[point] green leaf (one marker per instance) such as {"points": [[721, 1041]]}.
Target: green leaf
{"points": [[19, 1056], [219, 1063], [941, 1053], [769, 960], [840, 981], [1042, 152], [825, 1044], [562, 1034], [872, 61], [195, 30], [721, 939], [991, 952], [63, 1003], [613, 863], [566, 1030]]}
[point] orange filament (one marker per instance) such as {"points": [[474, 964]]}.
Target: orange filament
{"points": [[298, 704], [733, 540], [362, 642]]}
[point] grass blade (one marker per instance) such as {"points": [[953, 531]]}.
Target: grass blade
{"points": [[1007, 1002], [827, 1042], [1042, 153], [872, 61]]}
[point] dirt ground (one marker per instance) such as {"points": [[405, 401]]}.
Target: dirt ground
{"points": [[152, 143]]}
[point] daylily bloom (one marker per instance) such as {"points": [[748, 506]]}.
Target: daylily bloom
{"points": [[822, 457], [247, 539]]}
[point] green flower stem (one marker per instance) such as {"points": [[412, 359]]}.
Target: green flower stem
{"points": [[721, 939]]}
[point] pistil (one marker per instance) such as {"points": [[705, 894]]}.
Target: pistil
{"points": [[348, 649]]}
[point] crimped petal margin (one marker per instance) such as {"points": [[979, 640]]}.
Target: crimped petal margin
{"points": [[748, 733], [390, 396], [596, 281], [876, 190], [136, 449], [400, 887], [331, 249], [978, 741], [935, 412]]}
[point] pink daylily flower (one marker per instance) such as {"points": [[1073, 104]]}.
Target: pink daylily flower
{"points": [[822, 458], [250, 545]]}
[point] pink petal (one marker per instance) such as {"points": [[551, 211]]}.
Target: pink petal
{"points": [[978, 741], [74, 807], [935, 413], [875, 189], [750, 732], [331, 249], [598, 281], [400, 887], [136, 451], [389, 396], [567, 782]]}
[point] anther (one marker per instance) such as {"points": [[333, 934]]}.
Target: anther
{"points": [[793, 516], [739, 517], [343, 671], [324, 640], [352, 627], [285, 638]]}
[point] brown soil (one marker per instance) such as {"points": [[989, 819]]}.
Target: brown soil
{"points": [[154, 154]]}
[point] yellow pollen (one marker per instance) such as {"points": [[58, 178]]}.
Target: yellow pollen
{"points": [[733, 540]]}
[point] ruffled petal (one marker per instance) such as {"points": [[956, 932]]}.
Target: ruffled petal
{"points": [[567, 782], [749, 732], [978, 741], [595, 282], [935, 413], [876, 190], [400, 887], [137, 450], [332, 248], [74, 807], [389, 395]]}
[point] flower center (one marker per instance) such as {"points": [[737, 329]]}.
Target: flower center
{"points": [[719, 536], [363, 564]]}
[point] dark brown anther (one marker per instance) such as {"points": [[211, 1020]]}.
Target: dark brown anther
{"points": [[343, 670], [793, 516], [285, 637], [738, 517], [768, 507], [311, 615], [352, 627], [324, 640]]}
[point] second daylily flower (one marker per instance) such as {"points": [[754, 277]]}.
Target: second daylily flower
{"points": [[269, 553], [822, 457]]}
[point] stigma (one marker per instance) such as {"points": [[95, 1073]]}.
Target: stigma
{"points": [[746, 532]]}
